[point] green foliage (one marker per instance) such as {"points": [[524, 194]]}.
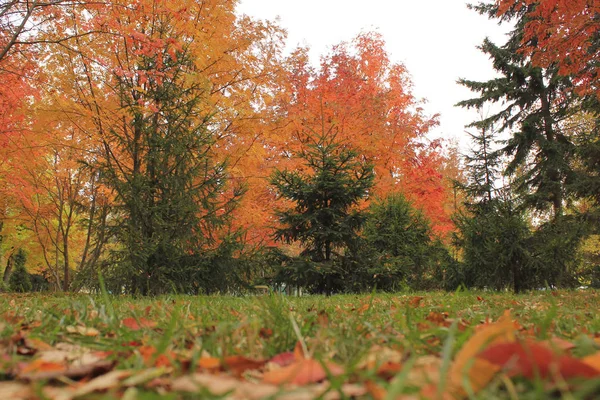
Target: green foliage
{"points": [[324, 218], [168, 214], [494, 240], [535, 102], [400, 246], [19, 280]]}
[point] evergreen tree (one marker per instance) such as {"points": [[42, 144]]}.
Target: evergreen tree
{"points": [[19, 280], [324, 218], [400, 240], [169, 186], [535, 103]]}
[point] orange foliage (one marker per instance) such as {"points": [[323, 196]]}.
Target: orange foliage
{"points": [[563, 32], [366, 101]]}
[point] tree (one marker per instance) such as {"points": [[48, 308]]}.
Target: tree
{"points": [[402, 246], [494, 238], [562, 33], [161, 95], [360, 95], [536, 101], [324, 194], [19, 280]]}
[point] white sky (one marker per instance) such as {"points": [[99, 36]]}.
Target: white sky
{"points": [[435, 39]]}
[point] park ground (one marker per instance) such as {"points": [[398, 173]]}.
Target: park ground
{"points": [[437, 345]]}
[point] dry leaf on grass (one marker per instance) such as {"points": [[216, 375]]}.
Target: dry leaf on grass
{"points": [[531, 359], [302, 372]]}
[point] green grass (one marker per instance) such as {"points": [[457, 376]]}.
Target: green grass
{"points": [[341, 329]]}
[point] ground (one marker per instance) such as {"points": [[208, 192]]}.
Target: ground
{"points": [[408, 346]]}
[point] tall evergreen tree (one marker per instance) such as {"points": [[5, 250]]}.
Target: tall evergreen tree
{"points": [[168, 184], [535, 102], [324, 217]]}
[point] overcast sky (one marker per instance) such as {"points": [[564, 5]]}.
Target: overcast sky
{"points": [[435, 39]]}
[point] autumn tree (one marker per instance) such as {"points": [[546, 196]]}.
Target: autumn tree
{"points": [[560, 33], [363, 98], [536, 101], [324, 195], [161, 95]]}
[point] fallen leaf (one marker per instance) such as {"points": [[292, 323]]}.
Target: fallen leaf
{"points": [[535, 359], [103, 382], [479, 371], [415, 301], [593, 361], [136, 325], [283, 359], [83, 330], [302, 372], [237, 365]]}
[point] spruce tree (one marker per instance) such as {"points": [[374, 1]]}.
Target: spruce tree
{"points": [[402, 247], [535, 101], [168, 185], [324, 218]]}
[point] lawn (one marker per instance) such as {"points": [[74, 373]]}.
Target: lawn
{"points": [[420, 345]]}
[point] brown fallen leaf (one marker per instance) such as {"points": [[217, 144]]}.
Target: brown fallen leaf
{"points": [[302, 372], [15, 391], [107, 381], [237, 365], [415, 301]]}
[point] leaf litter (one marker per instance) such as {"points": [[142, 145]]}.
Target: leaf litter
{"points": [[382, 347]]}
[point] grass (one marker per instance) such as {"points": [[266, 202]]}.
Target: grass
{"points": [[344, 329]]}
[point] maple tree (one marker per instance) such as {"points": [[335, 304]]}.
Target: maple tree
{"points": [[563, 33]]}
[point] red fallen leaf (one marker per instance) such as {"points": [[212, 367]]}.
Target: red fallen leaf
{"points": [[415, 301], [301, 372], [237, 365], [133, 343], [480, 298], [529, 359], [136, 325], [283, 359]]}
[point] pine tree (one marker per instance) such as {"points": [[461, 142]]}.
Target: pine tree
{"points": [[324, 218]]}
